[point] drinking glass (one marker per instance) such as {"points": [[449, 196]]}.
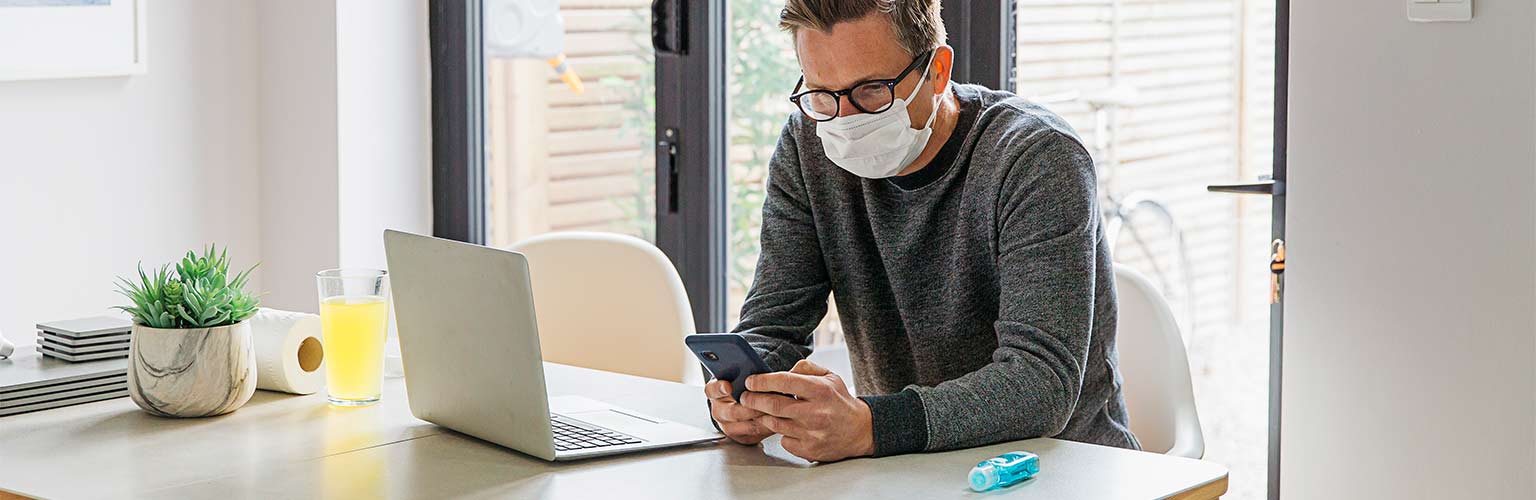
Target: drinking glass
{"points": [[354, 318]]}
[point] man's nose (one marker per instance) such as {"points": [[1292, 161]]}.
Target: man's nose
{"points": [[846, 107]]}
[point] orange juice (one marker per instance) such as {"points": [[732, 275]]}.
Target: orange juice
{"points": [[353, 329]]}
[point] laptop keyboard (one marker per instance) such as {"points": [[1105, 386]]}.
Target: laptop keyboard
{"points": [[571, 436]]}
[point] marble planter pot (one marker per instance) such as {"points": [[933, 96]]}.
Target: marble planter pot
{"points": [[193, 372]]}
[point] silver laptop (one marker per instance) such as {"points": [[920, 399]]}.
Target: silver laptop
{"points": [[470, 345]]}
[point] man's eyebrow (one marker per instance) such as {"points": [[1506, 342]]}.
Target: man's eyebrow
{"points": [[862, 79]]}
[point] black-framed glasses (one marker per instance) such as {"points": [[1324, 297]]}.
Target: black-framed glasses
{"points": [[869, 96]]}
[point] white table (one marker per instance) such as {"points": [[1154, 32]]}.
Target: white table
{"points": [[281, 446]]}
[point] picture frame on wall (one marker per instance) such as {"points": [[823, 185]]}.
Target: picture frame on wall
{"points": [[54, 39]]}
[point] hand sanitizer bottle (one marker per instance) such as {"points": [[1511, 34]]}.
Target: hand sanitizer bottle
{"points": [[1004, 470]]}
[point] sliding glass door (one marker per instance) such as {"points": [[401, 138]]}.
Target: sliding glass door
{"points": [[761, 72], [1171, 96]]}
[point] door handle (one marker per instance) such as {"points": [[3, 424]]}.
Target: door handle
{"points": [[1264, 186], [666, 169], [668, 33]]}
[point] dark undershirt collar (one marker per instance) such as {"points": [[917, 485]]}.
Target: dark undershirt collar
{"points": [[942, 162]]}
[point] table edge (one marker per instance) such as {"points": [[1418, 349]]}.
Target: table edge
{"points": [[1209, 490]]}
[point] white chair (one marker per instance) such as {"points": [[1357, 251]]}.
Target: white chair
{"points": [[610, 302], [1155, 367]]}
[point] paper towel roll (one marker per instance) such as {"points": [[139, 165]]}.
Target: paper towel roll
{"points": [[289, 354], [6, 347]]}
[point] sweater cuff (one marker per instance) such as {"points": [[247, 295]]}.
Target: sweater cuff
{"points": [[900, 426]]}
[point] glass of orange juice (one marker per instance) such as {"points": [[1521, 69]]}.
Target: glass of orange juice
{"points": [[354, 317]]}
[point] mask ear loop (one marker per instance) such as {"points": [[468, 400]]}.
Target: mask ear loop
{"points": [[924, 79], [932, 113]]}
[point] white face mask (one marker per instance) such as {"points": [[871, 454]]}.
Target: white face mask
{"points": [[876, 146]]}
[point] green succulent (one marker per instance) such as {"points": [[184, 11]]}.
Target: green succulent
{"points": [[198, 294]]}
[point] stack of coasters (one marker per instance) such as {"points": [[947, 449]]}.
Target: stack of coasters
{"points": [[30, 382], [85, 339]]}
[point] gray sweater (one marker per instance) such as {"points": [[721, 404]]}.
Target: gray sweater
{"points": [[976, 295]]}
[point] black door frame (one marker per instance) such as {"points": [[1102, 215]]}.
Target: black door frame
{"points": [[689, 38], [1277, 232], [984, 36], [458, 120]]}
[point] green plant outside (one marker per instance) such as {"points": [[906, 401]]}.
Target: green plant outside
{"points": [[197, 293], [762, 72]]}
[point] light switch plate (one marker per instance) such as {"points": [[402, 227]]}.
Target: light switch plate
{"points": [[1439, 11]]}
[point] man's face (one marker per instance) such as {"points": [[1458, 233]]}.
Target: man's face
{"points": [[867, 49]]}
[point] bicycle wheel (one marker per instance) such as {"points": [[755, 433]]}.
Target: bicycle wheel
{"points": [[1144, 235]]}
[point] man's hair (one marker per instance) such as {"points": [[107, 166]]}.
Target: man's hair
{"points": [[916, 23]]}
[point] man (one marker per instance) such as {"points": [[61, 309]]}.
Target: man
{"points": [[958, 231]]}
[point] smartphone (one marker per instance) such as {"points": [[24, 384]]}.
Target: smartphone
{"points": [[728, 356]]}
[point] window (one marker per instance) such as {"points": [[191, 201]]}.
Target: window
{"points": [[761, 72], [1172, 95], [563, 159], [519, 151]]}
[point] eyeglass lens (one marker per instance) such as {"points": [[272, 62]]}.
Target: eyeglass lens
{"points": [[867, 98]]}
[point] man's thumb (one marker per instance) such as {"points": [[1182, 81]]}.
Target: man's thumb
{"points": [[806, 367]]}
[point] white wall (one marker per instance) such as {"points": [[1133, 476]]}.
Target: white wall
{"points": [[346, 134], [299, 183], [293, 131], [385, 125], [1409, 346], [96, 174], [383, 131]]}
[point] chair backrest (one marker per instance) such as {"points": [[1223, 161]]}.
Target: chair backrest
{"points": [[610, 302], [1155, 369]]}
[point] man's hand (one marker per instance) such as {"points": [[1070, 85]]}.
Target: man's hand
{"points": [[822, 422], [737, 422]]}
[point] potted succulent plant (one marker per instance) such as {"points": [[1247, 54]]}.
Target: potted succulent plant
{"points": [[191, 353]]}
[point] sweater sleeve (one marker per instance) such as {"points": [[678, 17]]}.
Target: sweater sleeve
{"points": [[789, 290], [1047, 235]]}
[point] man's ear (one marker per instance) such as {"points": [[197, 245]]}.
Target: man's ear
{"points": [[943, 66]]}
